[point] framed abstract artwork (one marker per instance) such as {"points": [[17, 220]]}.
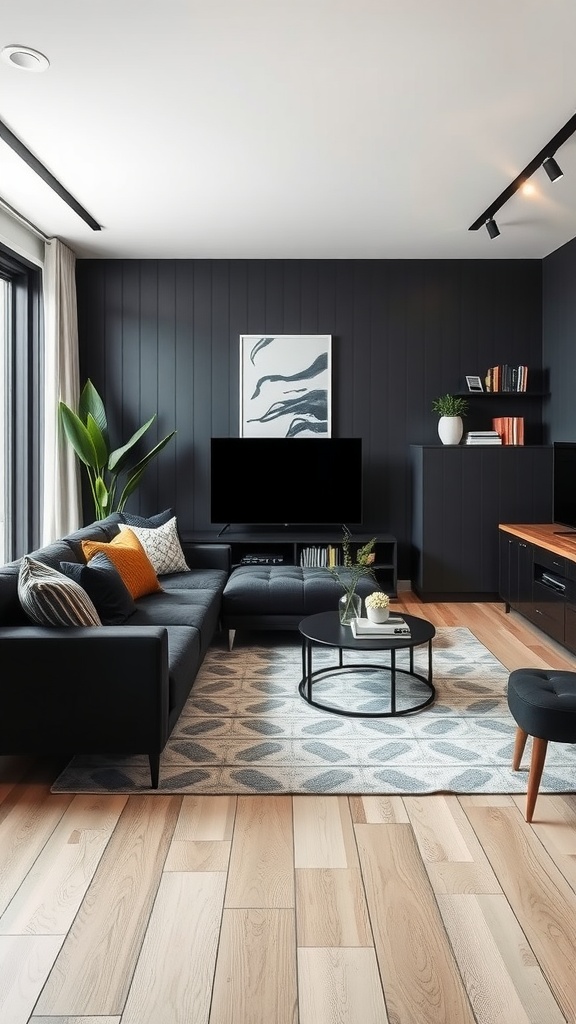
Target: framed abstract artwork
{"points": [[285, 385]]}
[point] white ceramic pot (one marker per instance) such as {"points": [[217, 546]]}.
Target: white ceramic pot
{"points": [[377, 614], [450, 429]]}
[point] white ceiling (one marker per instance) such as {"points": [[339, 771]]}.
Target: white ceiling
{"points": [[292, 128]]}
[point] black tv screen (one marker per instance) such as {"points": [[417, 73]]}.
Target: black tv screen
{"points": [[286, 480], [564, 497]]}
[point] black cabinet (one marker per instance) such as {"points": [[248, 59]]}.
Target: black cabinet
{"points": [[460, 495], [540, 584], [516, 573]]}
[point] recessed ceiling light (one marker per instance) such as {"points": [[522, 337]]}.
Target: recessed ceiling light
{"points": [[24, 58]]}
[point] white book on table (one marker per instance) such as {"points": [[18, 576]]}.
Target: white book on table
{"points": [[394, 626]]}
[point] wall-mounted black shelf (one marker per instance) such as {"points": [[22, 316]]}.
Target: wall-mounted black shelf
{"points": [[502, 394]]}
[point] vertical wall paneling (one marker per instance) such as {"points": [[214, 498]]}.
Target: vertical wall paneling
{"points": [[187, 475], [559, 347], [163, 336]]}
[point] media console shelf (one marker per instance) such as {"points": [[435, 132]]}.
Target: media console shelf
{"points": [[292, 547], [538, 577]]}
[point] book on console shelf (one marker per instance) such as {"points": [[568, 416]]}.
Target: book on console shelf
{"points": [[510, 428], [482, 437], [395, 625]]}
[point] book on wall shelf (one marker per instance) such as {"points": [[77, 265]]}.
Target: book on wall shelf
{"points": [[507, 379], [510, 428]]}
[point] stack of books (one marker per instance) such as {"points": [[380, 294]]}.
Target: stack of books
{"points": [[482, 437], [364, 629], [510, 428], [507, 378]]}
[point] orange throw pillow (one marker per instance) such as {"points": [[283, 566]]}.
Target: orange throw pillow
{"points": [[130, 559]]}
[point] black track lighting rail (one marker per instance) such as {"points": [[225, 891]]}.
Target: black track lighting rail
{"points": [[24, 153], [548, 150]]}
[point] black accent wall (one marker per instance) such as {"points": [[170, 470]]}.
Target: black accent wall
{"points": [[163, 336], [559, 340]]}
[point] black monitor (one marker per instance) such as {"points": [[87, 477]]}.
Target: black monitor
{"points": [[290, 481], [564, 493]]}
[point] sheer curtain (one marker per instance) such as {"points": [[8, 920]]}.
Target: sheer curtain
{"points": [[62, 501]]}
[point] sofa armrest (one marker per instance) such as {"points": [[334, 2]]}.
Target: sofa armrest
{"points": [[208, 556], [83, 689]]}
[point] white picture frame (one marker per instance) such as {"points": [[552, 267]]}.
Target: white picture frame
{"points": [[474, 384], [285, 385]]}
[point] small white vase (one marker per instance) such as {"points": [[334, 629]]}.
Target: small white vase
{"points": [[450, 429], [377, 614]]}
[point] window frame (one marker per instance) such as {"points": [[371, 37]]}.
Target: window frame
{"points": [[25, 412]]}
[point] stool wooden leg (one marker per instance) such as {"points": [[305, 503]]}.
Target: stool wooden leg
{"points": [[539, 748], [519, 744]]}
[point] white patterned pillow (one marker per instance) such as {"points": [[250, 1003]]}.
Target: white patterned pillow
{"points": [[51, 599], [162, 545]]}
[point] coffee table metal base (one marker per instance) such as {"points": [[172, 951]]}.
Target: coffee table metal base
{"points": [[311, 676]]}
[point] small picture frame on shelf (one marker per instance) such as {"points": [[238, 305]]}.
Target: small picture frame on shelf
{"points": [[474, 384]]}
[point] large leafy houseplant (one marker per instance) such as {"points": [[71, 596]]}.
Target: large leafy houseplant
{"points": [[87, 432]]}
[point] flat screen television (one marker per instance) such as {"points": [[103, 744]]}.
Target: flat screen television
{"points": [[289, 481], [564, 477]]}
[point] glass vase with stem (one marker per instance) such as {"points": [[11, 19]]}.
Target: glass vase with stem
{"points": [[348, 574]]}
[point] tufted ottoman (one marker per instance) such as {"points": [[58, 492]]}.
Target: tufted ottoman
{"points": [[543, 704], [280, 596]]}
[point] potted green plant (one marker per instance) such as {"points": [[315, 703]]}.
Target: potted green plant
{"points": [[451, 409], [87, 432]]}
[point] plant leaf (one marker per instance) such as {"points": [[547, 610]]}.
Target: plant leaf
{"points": [[119, 457], [135, 474], [101, 492], [90, 402], [98, 441], [78, 436]]}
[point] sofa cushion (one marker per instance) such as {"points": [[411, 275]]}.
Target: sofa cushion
{"points": [[104, 585], [129, 557], [196, 579], [103, 530], [53, 554], [153, 521], [162, 545], [172, 608], [51, 599]]}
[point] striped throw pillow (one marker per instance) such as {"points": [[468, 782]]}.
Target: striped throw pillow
{"points": [[51, 599]]}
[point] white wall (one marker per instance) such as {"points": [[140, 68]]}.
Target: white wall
{"points": [[20, 239]]}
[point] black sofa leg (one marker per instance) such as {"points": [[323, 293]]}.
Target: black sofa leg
{"points": [[154, 760]]}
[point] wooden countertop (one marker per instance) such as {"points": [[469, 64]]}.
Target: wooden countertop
{"points": [[545, 535]]}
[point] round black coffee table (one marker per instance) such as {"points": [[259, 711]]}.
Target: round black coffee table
{"points": [[326, 629]]}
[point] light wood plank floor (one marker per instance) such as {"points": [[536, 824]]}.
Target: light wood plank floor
{"points": [[291, 910]]}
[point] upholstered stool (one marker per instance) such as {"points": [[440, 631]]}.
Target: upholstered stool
{"points": [[280, 596], [543, 704]]}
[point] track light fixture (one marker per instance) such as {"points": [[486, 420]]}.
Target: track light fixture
{"points": [[543, 159], [552, 169], [492, 228]]}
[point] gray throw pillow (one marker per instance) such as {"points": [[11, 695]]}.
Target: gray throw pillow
{"points": [[149, 524], [51, 599]]}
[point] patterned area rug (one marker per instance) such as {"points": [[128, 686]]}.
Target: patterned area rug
{"points": [[245, 729]]}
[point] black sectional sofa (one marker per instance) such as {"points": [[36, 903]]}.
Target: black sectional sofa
{"points": [[106, 689]]}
